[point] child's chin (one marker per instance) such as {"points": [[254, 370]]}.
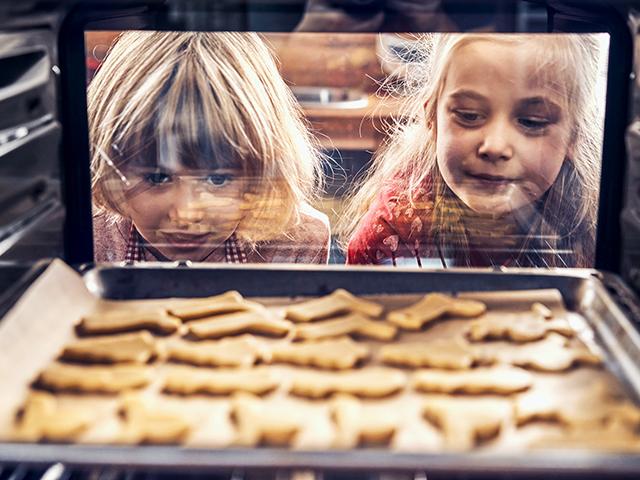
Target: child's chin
{"points": [[191, 252], [491, 207]]}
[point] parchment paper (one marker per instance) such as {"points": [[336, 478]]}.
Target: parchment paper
{"points": [[33, 333]]}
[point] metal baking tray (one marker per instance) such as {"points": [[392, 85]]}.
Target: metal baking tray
{"points": [[588, 292]]}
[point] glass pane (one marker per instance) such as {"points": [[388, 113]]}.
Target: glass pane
{"points": [[425, 150]]}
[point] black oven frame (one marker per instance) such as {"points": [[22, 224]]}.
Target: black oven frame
{"points": [[580, 17]]}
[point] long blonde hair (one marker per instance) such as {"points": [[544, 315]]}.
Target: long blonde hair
{"points": [[569, 208], [220, 97]]}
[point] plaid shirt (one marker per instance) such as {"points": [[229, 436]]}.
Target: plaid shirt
{"points": [[136, 247]]}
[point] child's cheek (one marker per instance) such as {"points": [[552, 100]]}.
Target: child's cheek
{"points": [[542, 162], [451, 155], [148, 210]]}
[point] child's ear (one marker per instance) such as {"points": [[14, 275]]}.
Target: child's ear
{"points": [[425, 107]]}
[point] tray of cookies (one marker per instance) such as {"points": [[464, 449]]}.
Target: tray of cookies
{"points": [[377, 369]]}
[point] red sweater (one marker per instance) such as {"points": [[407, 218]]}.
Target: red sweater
{"points": [[395, 230], [394, 227]]}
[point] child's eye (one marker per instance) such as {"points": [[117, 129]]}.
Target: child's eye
{"points": [[535, 124], [219, 179], [157, 178], [468, 117]]}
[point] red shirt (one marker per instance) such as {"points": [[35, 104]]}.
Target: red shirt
{"points": [[394, 227]]}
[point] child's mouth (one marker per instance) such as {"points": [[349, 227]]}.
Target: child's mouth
{"points": [[183, 239], [486, 180]]}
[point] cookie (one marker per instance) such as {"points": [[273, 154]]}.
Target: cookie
{"points": [[242, 351], [551, 354], [192, 380], [454, 354], [338, 302], [370, 382], [354, 324], [542, 310], [94, 379], [607, 439], [227, 302], [42, 418], [517, 327], [138, 347], [258, 422], [258, 321], [501, 380], [342, 353], [590, 408], [145, 422], [432, 307], [466, 422], [358, 424], [118, 321]]}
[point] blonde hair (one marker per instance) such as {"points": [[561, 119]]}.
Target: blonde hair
{"points": [[220, 97], [569, 208]]}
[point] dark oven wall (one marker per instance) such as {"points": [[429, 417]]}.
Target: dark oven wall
{"points": [[31, 213], [631, 212]]}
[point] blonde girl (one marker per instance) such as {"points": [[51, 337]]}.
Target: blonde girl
{"points": [[496, 158], [198, 152]]}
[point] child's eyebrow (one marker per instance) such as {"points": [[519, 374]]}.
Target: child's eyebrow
{"points": [[545, 102], [467, 95]]}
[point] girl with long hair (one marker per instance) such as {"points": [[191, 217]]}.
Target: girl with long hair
{"points": [[494, 161], [199, 152]]}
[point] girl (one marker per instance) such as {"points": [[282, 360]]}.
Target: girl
{"points": [[496, 160], [198, 152]]}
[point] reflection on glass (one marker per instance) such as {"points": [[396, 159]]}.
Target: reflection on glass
{"points": [[199, 153], [418, 149], [496, 160]]}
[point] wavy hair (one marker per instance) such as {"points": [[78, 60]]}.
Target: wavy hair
{"points": [[567, 212], [217, 100]]}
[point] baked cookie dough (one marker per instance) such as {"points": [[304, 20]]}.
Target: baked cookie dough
{"points": [[94, 379], [261, 422], [137, 347], [370, 382], [500, 380], [432, 307], [242, 351], [338, 302], [146, 422], [358, 424], [466, 422], [42, 419], [227, 302], [517, 327], [592, 409], [354, 324], [185, 380], [454, 354], [551, 354], [257, 321], [340, 354], [118, 321]]}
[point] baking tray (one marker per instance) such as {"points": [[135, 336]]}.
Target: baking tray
{"points": [[584, 291]]}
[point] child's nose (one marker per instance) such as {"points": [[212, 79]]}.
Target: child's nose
{"points": [[496, 144], [186, 205]]}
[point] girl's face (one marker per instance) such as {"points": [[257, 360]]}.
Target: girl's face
{"points": [[185, 214], [502, 134]]}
